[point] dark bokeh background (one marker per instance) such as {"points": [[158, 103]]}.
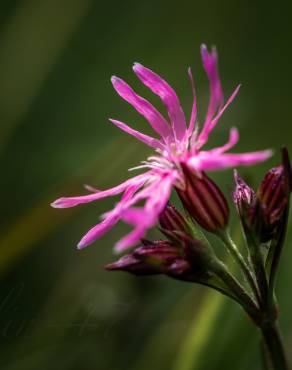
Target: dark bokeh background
{"points": [[59, 308]]}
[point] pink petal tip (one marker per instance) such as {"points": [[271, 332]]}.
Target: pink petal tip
{"points": [[59, 203]]}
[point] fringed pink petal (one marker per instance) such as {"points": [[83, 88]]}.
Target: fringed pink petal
{"points": [[168, 96], [233, 139], [98, 231], [206, 161], [156, 120], [110, 218], [130, 239], [148, 140], [194, 106], [157, 195], [210, 61], [67, 202], [209, 125], [134, 216]]}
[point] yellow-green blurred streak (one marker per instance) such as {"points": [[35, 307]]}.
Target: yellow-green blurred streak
{"points": [[30, 45], [205, 313], [40, 220], [163, 340], [202, 328], [200, 331]]}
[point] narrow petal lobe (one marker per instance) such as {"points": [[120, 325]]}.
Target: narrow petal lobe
{"points": [[168, 96], [142, 106]]}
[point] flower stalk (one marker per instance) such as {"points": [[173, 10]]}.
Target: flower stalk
{"points": [[276, 250], [273, 347], [224, 235], [242, 296]]}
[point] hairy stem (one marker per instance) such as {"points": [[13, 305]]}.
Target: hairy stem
{"points": [[242, 296], [238, 258], [260, 272]]}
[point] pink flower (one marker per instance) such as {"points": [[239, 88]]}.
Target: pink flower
{"points": [[176, 143]]}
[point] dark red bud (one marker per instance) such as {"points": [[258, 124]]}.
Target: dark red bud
{"points": [[203, 200], [163, 257], [157, 253], [274, 193], [261, 213], [153, 257], [172, 220], [133, 265]]}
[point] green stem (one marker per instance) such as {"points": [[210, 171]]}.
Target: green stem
{"points": [[260, 272], [237, 289], [276, 254], [273, 346], [238, 258]]}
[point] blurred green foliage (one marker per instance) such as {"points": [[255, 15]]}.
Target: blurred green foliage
{"points": [[59, 308]]}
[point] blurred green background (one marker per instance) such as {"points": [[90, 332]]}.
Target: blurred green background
{"points": [[59, 308]]}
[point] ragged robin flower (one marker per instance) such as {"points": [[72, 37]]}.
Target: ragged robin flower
{"points": [[177, 144], [262, 211]]}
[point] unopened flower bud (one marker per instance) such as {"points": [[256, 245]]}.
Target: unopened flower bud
{"points": [[245, 201], [163, 257], [172, 220], [243, 196], [250, 210], [153, 257], [261, 213], [203, 200], [132, 264], [157, 253], [273, 195]]}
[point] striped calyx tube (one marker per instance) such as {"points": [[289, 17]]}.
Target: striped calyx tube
{"points": [[273, 194], [203, 200], [172, 220]]}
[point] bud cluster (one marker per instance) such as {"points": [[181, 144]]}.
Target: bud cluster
{"points": [[181, 257], [184, 257], [261, 213]]}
